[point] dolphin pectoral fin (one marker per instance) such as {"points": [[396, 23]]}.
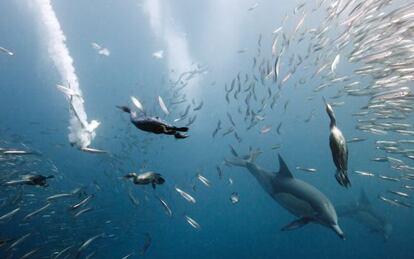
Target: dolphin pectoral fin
{"points": [[153, 185], [296, 224]]}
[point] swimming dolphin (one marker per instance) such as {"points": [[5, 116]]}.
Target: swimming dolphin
{"points": [[299, 198], [363, 213], [154, 124]]}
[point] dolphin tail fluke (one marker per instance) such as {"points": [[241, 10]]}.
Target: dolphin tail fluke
{"points": [[296, 224], [342, 178], [124, 108]]}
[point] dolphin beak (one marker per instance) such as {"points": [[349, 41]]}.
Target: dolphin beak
{"points": [[338, 231]]}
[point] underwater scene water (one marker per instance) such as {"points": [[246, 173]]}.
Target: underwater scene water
{"points": [[206, 129]]}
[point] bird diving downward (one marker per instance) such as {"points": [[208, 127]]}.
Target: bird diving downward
{"points": [[339, 149]]}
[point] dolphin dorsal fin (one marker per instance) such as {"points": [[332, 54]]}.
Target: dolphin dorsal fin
{"points": [[283, 169]]}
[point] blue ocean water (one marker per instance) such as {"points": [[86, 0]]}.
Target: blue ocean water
{"points": [[218, 40]]}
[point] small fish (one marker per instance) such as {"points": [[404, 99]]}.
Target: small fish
{"points": [[62, 252], [191, 120], [218, 127], [403, 204], [93, 150], [90, 255], [230, 130], [128, 255], [276, 69], [58, 196], [334, 104], [163, 106], [389, 178], [185, 195], [409, 187], [233, 151], [394, 202], [8, 52], [132, 198], [137, 103], [238, 138], [192, 222], [18, 241], [305, 169], [165, 206], [101, 50], [204, 180], [9, 214], [186, 111], [230, 181], [158, 54], [389, 201], [265, 129], [363, 173], [147, 244], [335, 63], [199, 106], [356, 139], [277, 146], [28, 216], [81, 203], [82, 212], [88, 242], [16, 152], [219, 171], [278, 128], [234, 198], [254, 6], [401, 194], [231, 119], [379, 159], [30, 253]]}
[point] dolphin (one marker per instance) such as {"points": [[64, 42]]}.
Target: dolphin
{"points": [[298, 197], [363, 213]]}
